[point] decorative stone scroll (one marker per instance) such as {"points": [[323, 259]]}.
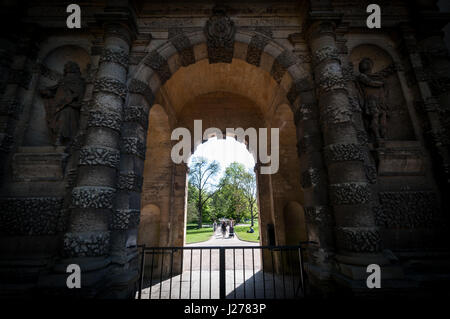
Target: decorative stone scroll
{"points": [[219, 31], [113, 56], [124, 219], [413, 209], [30, 215], [349, 193], [93, 197], [99, 156], [359, 239], [343, 152], [109, 85], [90, 244]]}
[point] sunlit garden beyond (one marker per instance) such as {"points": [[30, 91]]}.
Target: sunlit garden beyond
{"points": [[196, 235], [221, 188]]}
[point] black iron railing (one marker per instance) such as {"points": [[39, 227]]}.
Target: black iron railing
{"points": [[221, 272]]}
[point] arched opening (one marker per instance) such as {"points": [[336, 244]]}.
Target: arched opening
{"points": [[222, 96], [222, 189]]}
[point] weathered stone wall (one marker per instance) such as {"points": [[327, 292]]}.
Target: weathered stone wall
{"points": [[287, 64]]}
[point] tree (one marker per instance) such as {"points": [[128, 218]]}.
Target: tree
{"points": [[248, 184], [192, 212], [201, 175], [237, 196]]}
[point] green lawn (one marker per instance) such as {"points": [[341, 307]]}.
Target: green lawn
{"points": [[194, 235], [241, 232]]}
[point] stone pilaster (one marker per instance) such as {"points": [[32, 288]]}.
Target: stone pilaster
{"points": [[427, 53], [357, 238], [15, 88]]}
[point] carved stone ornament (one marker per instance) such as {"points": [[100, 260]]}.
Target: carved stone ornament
{"points": [[110, 85], [363, 240], [124, 219], [86, 244], [103, 156], [220, 31], [93, 197], [112, 56], [407, 210], [255, 49], [343, 152], [349, 193], [30, 216]]}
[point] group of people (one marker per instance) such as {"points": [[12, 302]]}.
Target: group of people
{"points": [[224, 226]]}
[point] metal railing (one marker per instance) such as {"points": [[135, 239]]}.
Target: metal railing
{"points": [[236, 272]]}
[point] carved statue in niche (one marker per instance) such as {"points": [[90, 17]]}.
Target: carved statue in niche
{"points": [[63, 103], [372, 100]]}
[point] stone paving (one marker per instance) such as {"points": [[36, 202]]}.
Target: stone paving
{"points": [[247, 268]]}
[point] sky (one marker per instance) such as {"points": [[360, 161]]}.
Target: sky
{"points": [[224, 151]]}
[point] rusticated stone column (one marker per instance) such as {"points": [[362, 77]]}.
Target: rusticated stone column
{"points": [[357, 238], [95, 189], [318, 214]]}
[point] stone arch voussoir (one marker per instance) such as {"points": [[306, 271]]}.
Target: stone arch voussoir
{"points": [[254, 47]]}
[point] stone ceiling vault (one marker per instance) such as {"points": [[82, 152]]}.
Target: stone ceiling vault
{"points": [[236, 78]]}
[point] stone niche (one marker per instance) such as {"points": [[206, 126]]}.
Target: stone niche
{"points": [[51, 72], [398, 124], [38, 159]]}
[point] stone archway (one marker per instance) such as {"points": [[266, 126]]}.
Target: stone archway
{"points": [[252, 77], [335, 136]]}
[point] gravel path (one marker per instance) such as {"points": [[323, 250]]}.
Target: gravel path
{"points": [[252, 256]]}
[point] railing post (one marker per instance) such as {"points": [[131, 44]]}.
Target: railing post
{"points": [[300, 257], [222, 273], [141, 275]]}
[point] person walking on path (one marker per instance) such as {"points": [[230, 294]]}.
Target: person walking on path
{"points": [[224, 229]]}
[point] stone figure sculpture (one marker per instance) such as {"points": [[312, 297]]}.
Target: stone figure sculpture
{"points": [[63, 103], [372, 100]]}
